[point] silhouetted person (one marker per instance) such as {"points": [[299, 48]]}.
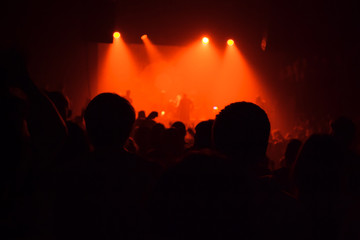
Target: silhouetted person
{"points": [[156, 135], [184, 109], [61, 103], [282, 175], [33, 134], [180, 127], [318, 178], [69, 172], [241, 132], [141, 131], [172, 147], [150, 119], [188, 200], [142, 139], [225, 195], [119, 180], [344, 131], [203, 132]]}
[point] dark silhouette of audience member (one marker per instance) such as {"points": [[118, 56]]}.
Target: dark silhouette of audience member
{"points": [[181, 129], [317, 175], [203, 132], [282, 175], [77, 144], [61, 103], [156, 136], [151, 119], [188, 201], [142, 139], [141, 115], [109, 119], [69, 172], [139, 121], [172, 147], [241, 132], [54, 186], [141, 131], [343, 130], [156, 140], [34, 134], [119, 181], [226, 196]]}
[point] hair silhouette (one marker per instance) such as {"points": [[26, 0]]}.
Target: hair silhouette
{"points": [[242, 129], [109, 119]]}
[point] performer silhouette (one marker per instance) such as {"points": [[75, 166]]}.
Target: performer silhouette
{"points": [[184, 109]]}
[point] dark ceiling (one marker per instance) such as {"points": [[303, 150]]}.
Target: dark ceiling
{"points": [[288, 24]]}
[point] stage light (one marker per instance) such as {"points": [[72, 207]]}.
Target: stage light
{"points": [[205, 40], [215, 108], [162, 113], [143, 37], [116, 35], [230, 42]]}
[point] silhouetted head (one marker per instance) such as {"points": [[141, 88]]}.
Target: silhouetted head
{"points": [[142, 138], [242, 129], [109, 119], [180, 127], [61, 103], [202, 138], [317, 168], [292, 150], [173, 142], [156, 135], [343, 130], [141, 115]]}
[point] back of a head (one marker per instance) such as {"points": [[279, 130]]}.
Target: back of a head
{"points": [[242, 129], [173, 142], [317, 167], [141, 115], [180, 127], [61, 103], [202, 138], [109, 119], [344, 130], [292, 150]]}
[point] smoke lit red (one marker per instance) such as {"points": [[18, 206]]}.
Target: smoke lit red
{"points": [[161, 78]]}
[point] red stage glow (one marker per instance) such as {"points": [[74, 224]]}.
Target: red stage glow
{"points": [[143, 37], [160, 77]]}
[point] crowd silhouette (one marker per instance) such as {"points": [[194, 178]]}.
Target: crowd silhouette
{"points": [[115, 175]]}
